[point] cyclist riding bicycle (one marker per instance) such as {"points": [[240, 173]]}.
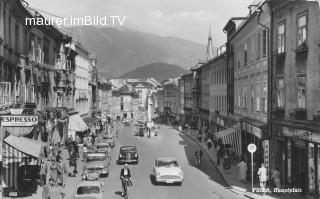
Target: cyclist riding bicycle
{"points": [[125, 176], [198, 154]]}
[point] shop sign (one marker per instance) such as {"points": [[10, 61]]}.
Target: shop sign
{"points": [[18, 120], [301, 134], [266, 153]]}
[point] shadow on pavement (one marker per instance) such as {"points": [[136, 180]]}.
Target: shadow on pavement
{"points": [[207, 166]]}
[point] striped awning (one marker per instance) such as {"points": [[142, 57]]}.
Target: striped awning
{"points": [[12, 160], [228, 131], [76, 123], [231, 136], [27, 146]]}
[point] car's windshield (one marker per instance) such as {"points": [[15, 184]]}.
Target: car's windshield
{"points": [[88, 190], [128, 148], [102, 146], [94, 168], [95, 158], [167, 163]]}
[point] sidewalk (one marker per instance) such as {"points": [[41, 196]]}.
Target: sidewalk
{"points": [[231, 179]]}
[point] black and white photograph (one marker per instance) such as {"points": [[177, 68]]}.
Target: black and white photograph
{"points": [[161, 99]]}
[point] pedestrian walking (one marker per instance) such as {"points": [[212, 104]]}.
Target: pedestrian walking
{"points": [[276, 178], [226, 163], [262, 173], [218, 154], [215, 142], [73, 164], [84, 153], [54, 191], [46, 189], [242, 170], [43, 173], [61, 170], [59, 156], [53, 170], [209, 143], [200, 136]]}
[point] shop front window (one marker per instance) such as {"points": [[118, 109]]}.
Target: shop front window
{"points": [[311, 171]]}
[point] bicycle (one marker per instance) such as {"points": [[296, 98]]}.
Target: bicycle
{"points": [[125, 187]]}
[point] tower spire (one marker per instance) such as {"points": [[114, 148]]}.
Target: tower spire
{"points": [[210, 53]]}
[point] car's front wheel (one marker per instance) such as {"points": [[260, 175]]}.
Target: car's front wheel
{"points": [[179, 183], [154, 180]]}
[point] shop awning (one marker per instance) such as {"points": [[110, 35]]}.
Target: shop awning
{"points": [[25, 145], [231, 136], [89, 120], [228, 131], [76, 123]]}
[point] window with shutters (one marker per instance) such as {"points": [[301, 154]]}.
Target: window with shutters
{"points": [[281, 38], [280, 92], [302, 30], [264, 42], [302, 92]]}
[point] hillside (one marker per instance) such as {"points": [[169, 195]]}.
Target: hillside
{"points": [[122, 50], [159, 71]]}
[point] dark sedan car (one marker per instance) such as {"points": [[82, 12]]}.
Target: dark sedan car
{"points": [[128, 154]]}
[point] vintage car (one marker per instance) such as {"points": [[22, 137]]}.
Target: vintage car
{"points": [[126, 123], [109, 139], [97, 162], [167, 170], [103, 147], [89, 190], [128, 154]]}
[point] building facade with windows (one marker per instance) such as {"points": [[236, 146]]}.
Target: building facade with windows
{"points": [[296, 94], [171, 101], [82, 63], [218, 92], [248, 60]]}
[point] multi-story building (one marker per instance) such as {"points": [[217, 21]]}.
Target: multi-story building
{"points": [[296, 94], [103, 92], [181, 84], [160, 110], [248, 61], [123, 104], [171, 100], [188, 99], [93, 83], [196, 92], [218, 92], [82, 63]]}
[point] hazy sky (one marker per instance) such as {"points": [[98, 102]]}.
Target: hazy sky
{"points": [[187, 19]]}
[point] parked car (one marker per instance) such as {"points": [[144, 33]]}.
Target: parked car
{"points": [[104, 147], [109, 139], [167, 170], [89, 190], [97, 162], [128, 154]]}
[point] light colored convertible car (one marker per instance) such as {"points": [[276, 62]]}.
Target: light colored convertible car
{"points": [[167, 170]]}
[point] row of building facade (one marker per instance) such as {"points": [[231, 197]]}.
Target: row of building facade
{"points": [[46, 73], [263, 89]]}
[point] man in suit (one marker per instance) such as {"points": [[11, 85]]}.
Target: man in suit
{"points": [[125, 174]]}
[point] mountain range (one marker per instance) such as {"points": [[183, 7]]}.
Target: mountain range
{"points": [[159, 71], [120, 50]]}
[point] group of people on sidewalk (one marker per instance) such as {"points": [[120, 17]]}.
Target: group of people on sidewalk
{"points": [[225, 153]]}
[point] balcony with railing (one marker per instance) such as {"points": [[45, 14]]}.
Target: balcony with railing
{"points": [[62, 64]]}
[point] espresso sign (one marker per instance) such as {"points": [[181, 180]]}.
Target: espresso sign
{"points": [[18, 120]]}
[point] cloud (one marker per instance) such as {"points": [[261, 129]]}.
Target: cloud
{"points": [[155, 14]]}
